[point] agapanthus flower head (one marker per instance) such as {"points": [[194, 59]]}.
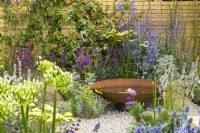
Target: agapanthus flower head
{"points": [[56, 76]]}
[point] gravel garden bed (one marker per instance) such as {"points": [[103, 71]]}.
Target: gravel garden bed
{"points": [[113, 121], [116, 119]]}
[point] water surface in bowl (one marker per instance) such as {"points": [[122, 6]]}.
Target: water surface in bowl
{"points": [[117, 89]]}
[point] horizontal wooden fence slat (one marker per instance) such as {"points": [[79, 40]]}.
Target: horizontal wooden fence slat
{"points": [[160, 11]]}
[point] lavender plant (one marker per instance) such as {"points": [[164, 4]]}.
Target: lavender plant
{"points": [[83, 62], [175, 38], [27, 59], [59, 57], [132, 46]]}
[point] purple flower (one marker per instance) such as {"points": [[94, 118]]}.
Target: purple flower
{"points": [[186, 109], [78, 77], [69, 131], [189, 122], [73, 68], [133, 93], [184, 117], [129, 98], [198, 111], [79, 120], [96, 128], [134, 10], [138, 130], [84, 68], [159, 109], [96, 53], [83, 62], [27, 59], [5, 0], [129, 103], [107, 48], [118, 6], [173, 114]]}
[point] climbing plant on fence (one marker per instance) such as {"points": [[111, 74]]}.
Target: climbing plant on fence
{"points": [[59, 28]]}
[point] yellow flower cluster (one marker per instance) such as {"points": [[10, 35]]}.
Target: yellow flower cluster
{"points": [[13, 95], [54, 75], [47, 116], [88, 96], [1, 67], [115, 33], [26, 91], [143, 45]]}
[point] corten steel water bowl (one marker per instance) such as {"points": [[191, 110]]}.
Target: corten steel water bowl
{"points": [[115, 90]]}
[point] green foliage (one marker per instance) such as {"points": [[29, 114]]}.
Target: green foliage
{"points": [[46, 21], [196, 98], [136, 111], [147, 117], [143, 117], [84, 102]]}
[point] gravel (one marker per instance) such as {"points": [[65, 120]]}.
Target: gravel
{"points": [[110, 122], [113, 121], [193, 108]]}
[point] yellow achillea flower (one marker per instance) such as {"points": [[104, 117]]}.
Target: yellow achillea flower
{"points": [[68, 114], [36, 110], [88, 95], [35, 114], [99, 92]]}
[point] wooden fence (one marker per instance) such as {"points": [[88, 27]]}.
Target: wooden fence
{"points": [[160, 12]]}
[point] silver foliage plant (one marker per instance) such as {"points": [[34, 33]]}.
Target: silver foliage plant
{"points": [[187, 80], [190, 81], [17, 76], [165, 67]]}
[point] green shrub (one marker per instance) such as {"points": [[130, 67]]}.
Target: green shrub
{"points": [[196, 98], [83, 101]]}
